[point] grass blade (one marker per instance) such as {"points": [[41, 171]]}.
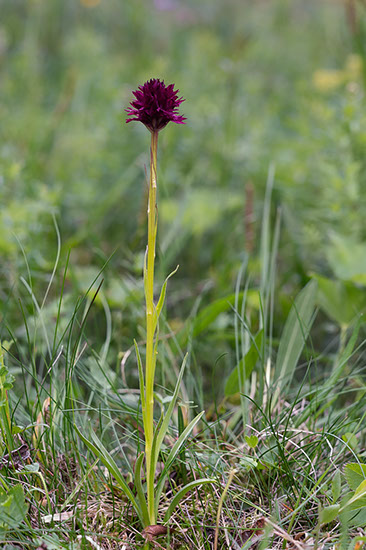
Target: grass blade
{"points": [[165, 423], [101, 452], [172, 455], [178, 497]]}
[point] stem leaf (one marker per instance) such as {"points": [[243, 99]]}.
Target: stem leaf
{"points": [[139, 489], [141, 376], [161, 300]]}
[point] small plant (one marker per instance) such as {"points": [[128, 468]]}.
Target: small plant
{"points": [[155, 105], [354, 500]]}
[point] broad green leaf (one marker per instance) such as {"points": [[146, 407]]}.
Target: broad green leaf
{"points": [[351, 440], [342, 301], [358, 503], [207, 316], [13, 508], [245, 366], [248, 463], [30, 468], [352, 517], [336, 486], [251, 441], [182, 492], [52, 542], [347, 258], [358, 500], [294, 335], [355, 473], [361, 490], [329, 513]]}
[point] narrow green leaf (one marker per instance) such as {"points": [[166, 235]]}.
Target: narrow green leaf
{"points": [[101, 452], [328, 514], [141, 377], [326, 394], [344, 357], [161, 300], [212, 311], [182, 452], [294, 335], [178, 497], [173, 453], [245, 366], [207, 316], [139, 489], [145, 272], [348, 350], [166, 420], [153, 447]]}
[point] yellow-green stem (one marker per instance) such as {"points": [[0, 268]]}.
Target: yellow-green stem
{"points": [[150, 351]]}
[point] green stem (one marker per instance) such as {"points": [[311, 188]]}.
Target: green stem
{"points": [[150, 348]]}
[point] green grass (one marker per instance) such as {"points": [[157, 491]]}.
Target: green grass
{"points": [[261, 203]]}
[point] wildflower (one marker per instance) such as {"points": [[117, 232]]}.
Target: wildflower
{"points": [[156, 105]]}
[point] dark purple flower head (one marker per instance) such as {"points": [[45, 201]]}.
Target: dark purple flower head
{"points": [[156, 105]]}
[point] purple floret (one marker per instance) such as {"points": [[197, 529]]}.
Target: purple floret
{"points": [[156, 105]]}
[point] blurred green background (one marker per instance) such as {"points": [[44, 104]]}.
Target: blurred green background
{"points": [[269, 85]]}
